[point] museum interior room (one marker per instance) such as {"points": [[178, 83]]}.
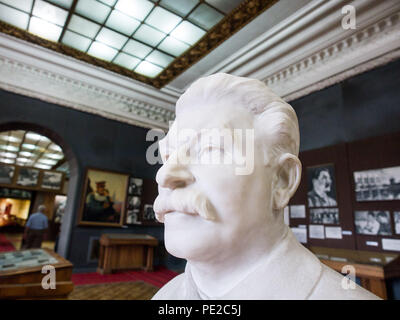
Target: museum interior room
{"points": [[89, 87]]}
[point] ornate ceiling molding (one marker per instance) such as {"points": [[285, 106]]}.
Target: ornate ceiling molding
{"points": [[229, 25], [310, 50], [364, 50], [98, 93]]}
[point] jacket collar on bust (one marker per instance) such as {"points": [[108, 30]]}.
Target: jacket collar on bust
{"points": [[290, 273]]}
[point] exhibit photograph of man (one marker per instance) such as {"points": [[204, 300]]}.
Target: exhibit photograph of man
{"points": [[322, 189], [201, 157]]}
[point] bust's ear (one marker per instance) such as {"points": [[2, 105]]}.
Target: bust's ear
{"points": [[286, 181]]}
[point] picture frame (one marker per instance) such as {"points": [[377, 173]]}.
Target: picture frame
{"points": [[51, 180], [321, 180], [103, 200], [28, 177], [373, 222], [377, 184], [7, 173]]}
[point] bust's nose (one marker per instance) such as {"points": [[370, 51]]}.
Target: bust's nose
{"points": [[174, 175]]}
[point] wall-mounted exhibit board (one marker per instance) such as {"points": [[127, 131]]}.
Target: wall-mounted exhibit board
{"points": [[30, 178], [349, 196]]}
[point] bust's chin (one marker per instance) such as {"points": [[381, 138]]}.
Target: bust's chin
{"points": [[187, 248]]}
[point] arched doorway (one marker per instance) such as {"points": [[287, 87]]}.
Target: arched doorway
{"points": [[38, 147]]}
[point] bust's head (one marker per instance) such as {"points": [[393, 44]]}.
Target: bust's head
{"points": [[219, 193]]}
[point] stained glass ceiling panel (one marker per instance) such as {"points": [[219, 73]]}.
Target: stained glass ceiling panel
{"points": [[27, 148], [132, 37]]}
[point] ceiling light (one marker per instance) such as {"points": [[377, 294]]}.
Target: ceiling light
{"points": [[188, 32], [162, 19], [14, 17], [29, 146], [23, 159], [44, 29], [138, 9], [55, 148], [42, 166], [9, 148], [148, 69], [54, 156], [24, 5], [7, 160], [102, 51], [63, 3], [26, 154], [47, 161], [10, 138], [8, 154], [50, 13], [33, 136]]}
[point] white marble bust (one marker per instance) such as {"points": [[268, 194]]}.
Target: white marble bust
{"points": [[226, 217]]}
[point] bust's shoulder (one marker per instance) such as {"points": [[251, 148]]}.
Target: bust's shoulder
{"points": [[172, 290], [330, 287]]}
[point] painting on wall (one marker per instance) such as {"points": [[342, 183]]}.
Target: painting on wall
{"points": [[321, 186], [373, 223], [377, 185], [104, 198]]}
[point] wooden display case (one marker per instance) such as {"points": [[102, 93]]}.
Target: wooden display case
{"points": [[122, 251], [21, 275], [373, 268]]}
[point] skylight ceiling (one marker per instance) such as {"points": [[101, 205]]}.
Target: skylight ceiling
{"points": [[140, 36], [29, 149]]}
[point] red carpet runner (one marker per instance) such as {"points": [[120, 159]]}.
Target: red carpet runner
{"points": [[5, 244], [158, 278]]}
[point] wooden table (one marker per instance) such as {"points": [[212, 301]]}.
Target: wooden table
{"points": [[122, 251], [21, 275], [373, 268]]}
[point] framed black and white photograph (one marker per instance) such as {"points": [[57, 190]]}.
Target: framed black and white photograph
{"points": [[396, 219], [377, 185], [134, 203], [132, 217], [28, 177], [321, 186], [373, 223], [148, 213], [52, 180], [135, 186], [6, 173], [324, 216]]}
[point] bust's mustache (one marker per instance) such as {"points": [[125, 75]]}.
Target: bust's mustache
{"points": [[186, 201]]}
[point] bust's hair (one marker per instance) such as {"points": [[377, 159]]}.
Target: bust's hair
{"points": [[274, 119]]}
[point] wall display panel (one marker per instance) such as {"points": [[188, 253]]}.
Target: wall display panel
{"points": [[29, 178], [326, 190], [374, 162]]}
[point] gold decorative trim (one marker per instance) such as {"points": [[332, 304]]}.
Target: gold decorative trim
{"points": [[232, 23]]}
